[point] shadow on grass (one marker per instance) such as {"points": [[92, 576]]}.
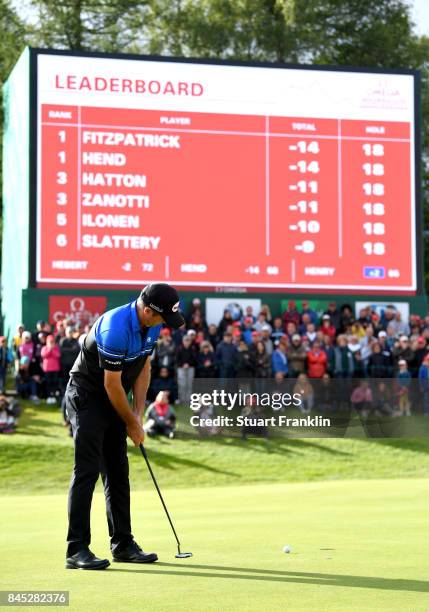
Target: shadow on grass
{"points": [[247, 573], [262, 445], [36, 426], [172, 462], [417, 445]]}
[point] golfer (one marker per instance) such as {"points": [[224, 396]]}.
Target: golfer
{"points": [[114, 360]]}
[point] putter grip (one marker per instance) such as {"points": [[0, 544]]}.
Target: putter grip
{"points": [[143, 450]]}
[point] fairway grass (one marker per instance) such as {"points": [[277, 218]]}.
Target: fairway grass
{"points": [[39, 457], [356, 545]]}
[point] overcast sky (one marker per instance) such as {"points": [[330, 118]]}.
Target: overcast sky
{"points": [[420, 14]]}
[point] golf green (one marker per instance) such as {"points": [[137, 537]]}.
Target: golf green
{"points": [[356, 545]]}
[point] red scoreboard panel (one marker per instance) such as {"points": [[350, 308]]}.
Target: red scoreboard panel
{"points": [[208, 175]]}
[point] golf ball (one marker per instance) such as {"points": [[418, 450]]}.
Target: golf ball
{"points": [[287, 549]]}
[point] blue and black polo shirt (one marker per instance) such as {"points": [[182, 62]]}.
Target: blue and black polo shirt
{"points": [[116, 342]]}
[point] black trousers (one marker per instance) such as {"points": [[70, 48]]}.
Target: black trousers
{"points": [[100, 442]]}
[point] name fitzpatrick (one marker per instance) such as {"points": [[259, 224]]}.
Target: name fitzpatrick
{"points": [[247, 421]]}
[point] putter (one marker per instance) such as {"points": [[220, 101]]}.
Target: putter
{"points": [[180, 555]]}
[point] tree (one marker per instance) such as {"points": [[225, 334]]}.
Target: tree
{"points": [[12, 39], [80, 25], [240, 30], [12, 42]]}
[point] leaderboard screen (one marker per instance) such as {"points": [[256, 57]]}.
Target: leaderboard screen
{"points": [[213, 175]]}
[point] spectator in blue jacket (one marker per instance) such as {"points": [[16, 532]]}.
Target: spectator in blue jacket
{"points": [[424, 384], [247, 329], [277, 332], [6, 359], [226, 353], [163, 382], [309, 311], [279, 363]]}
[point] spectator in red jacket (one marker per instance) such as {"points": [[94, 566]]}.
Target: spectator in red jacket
{"points": [[317, 361], [51, 366], [327, 328], [291, 315]]}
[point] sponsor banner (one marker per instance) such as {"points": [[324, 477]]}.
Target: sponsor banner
{"points": [[380, 307], [82, 310], [319, 306], [237, 307]]}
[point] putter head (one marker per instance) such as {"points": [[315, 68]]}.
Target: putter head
{"points": [[183, 555]]}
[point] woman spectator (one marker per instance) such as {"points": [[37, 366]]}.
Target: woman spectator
{"points": [[186, 362], [378, 363], [206, 367], [267, 312], [327, 328], [51, 366], [317, 361], [224, 322], [261, 363]]}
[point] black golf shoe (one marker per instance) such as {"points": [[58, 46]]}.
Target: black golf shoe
{"points": [[85, 559], [134, 554]]}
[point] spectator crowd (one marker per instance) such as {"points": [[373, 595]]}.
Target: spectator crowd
{"points": [[298, 345]]}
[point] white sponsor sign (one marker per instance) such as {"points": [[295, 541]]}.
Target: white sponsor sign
{"points": [[237, 306], [380, 307]]}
